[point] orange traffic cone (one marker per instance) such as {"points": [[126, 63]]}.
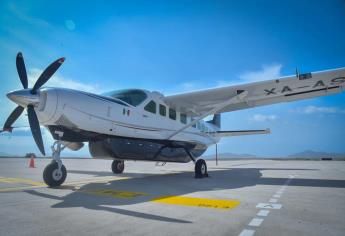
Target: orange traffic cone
{"points": [[32, 162]]}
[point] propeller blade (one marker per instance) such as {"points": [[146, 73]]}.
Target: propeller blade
{"points": [[35, 128], [21, 70], [47, 73], [12, 118]]}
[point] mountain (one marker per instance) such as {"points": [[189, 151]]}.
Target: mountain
{"points": [[308, 154], [3, 154], [229, 155], [314, 154]]}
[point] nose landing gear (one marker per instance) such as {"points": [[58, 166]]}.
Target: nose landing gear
{"points": [[55, 173]]}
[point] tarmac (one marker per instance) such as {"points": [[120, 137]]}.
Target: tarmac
{"points": [[241, 197]]}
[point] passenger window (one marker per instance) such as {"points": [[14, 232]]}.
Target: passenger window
{"points": [[172, 114], [183, 118], [162, 110], [151, 107]]}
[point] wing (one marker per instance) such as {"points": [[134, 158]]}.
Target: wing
{"points": [[285, 89]]}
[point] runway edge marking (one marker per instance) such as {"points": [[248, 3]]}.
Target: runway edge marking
{"points": [[256, 222]]}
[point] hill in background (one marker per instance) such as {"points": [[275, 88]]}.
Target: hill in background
{"points": [[308, 154]]}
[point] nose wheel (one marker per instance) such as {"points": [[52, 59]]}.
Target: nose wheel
{"points": [[55, 173], [117, 166], [53, 176]]}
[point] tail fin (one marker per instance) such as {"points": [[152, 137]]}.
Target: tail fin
{"points": [[216, 120]]}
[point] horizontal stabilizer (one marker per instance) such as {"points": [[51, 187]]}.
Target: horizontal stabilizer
{"points": [[221, 134]]}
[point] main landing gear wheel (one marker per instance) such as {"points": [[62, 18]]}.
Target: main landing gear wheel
{"points": [[201, 169], [54, 177], [117, 166]]}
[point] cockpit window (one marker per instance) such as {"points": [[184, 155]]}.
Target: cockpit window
{"points": [[131, 96]]}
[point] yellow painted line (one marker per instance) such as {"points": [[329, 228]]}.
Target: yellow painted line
{"points": [[115, 193], [17, 189], [20, 181], [96, 180], [198, 202], [41, 184]]}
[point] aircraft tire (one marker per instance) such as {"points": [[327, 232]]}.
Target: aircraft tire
{"points": [[201, 169], [117, 166], [51, 176]]}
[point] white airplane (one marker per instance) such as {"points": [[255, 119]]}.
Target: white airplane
{"points": [[136, 124]]}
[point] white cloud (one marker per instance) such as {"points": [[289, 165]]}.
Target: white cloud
{"points": [[262, 118], [188, 85], [267, 72], [20, 14], [60, 81], [24, 128], [316, 109]]}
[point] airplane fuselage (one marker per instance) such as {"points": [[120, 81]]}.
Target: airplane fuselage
{"points": [[117, 129]]}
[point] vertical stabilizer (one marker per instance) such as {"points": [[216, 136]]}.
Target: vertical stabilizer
{"points": [[216, 120]]}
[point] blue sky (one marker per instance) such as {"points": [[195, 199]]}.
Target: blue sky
{"points": [[179, 46]]}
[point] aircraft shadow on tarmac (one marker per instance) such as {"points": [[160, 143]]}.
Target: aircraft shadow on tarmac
{"points": [[172, 185]]}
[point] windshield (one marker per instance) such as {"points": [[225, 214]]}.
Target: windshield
{"points": [[131, 96]]}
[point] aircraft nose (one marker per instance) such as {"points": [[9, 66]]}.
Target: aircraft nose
{"points": [[12, 96], [23, 97]]}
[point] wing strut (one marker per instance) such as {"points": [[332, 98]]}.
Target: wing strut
{"points": [[241, 94]]}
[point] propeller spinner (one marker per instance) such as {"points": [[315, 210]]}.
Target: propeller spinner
{"points": [[29, 98]]}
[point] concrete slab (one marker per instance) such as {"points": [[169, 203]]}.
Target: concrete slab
{"points": [[93, 201]]}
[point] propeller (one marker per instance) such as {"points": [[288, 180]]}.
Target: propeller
{"points": [[33, 120], [21, 70]]}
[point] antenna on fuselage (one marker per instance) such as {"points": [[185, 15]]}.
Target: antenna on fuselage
{"points": [[216, 154]]}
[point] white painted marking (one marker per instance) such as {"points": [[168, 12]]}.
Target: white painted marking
{"points": [[291, 176], [280, 192], [276, 195], [256, 222], [247, 232], [274, 200], [263, 213], [269, 205]]}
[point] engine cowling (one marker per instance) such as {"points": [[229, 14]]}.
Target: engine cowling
{"points": [[74, 146]]}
